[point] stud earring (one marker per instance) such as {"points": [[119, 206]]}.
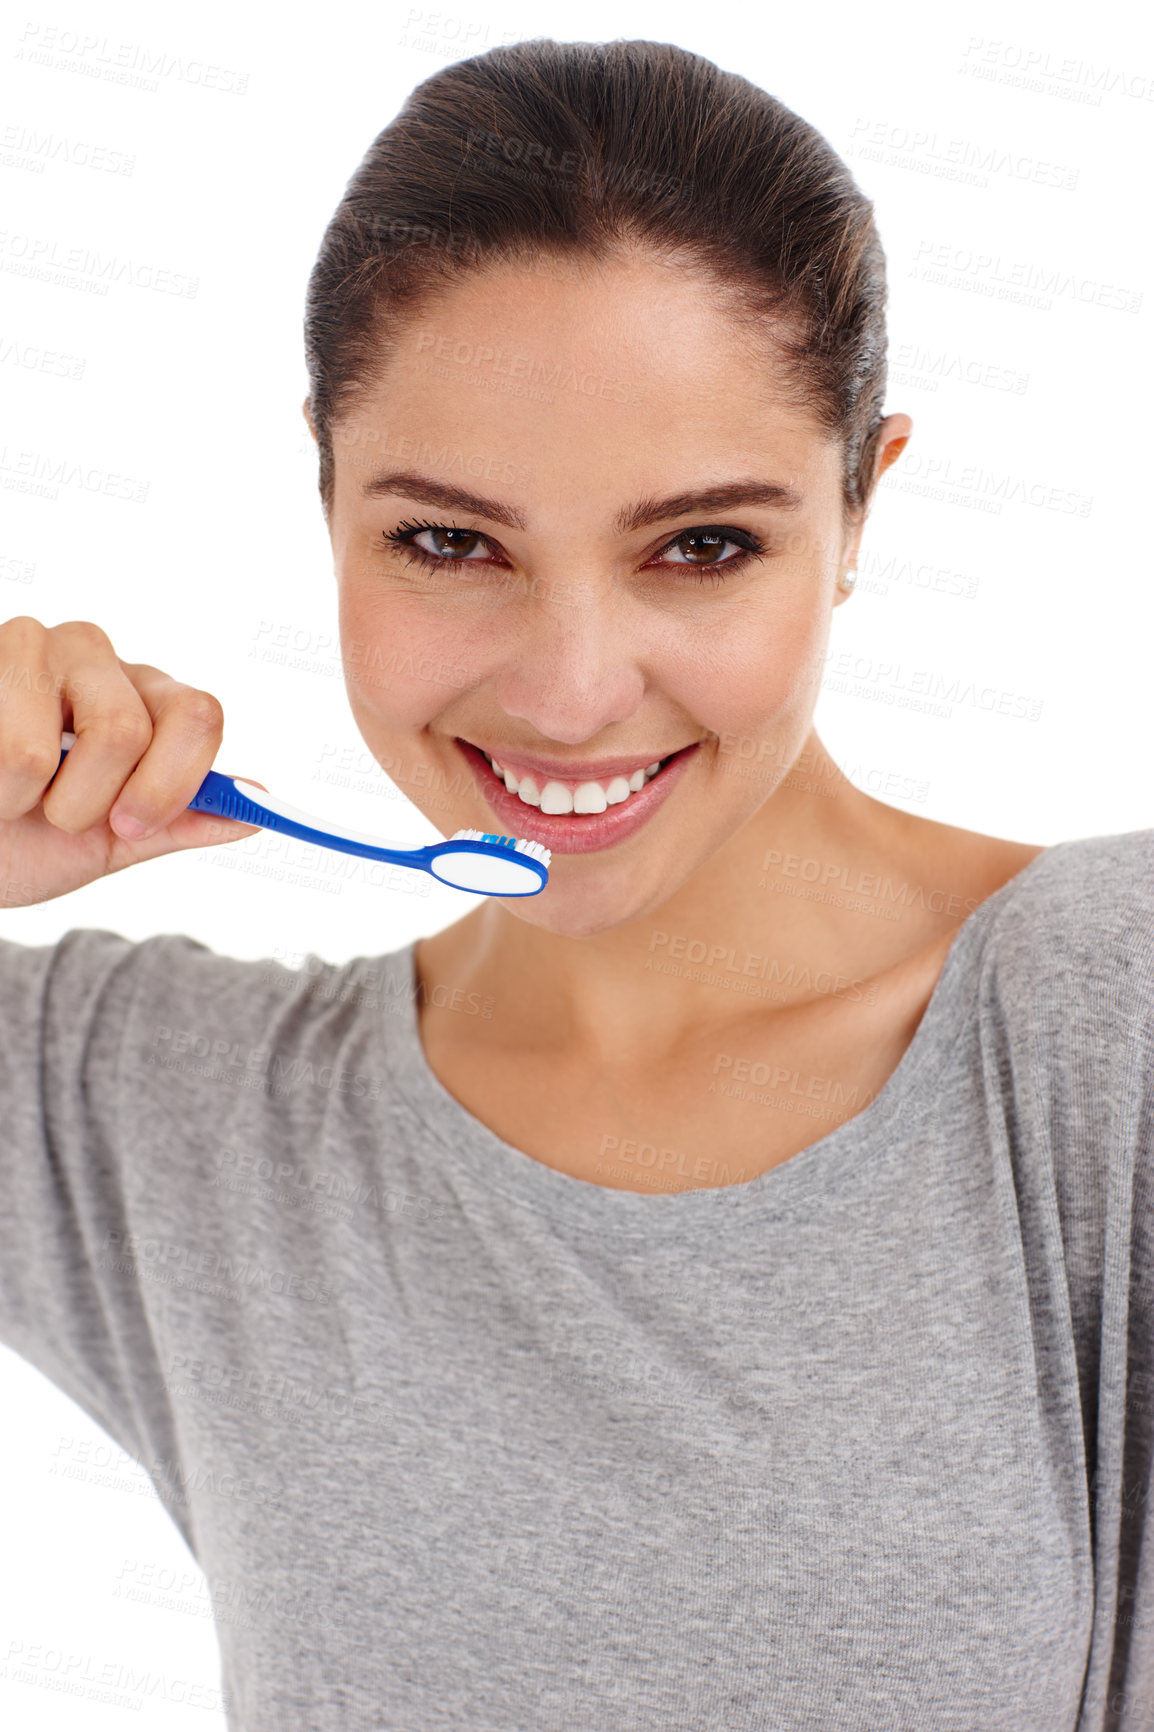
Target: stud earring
{"points": [[848, 579]]}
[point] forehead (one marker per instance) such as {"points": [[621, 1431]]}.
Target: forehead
{"points": [[658, 320], [592, 369]]}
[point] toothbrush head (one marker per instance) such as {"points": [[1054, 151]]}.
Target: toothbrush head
{"points": [[491, 865]]}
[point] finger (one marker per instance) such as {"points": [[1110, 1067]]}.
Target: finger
{"points": [[188, 726], [204, 829], [31, 711], [112, 724], [187, 710]]}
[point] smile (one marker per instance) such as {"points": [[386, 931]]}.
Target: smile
{"points": [[559, 797], [576, 817]]}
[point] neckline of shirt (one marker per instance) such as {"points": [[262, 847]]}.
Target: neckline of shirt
{"points": [[523, 1181]]}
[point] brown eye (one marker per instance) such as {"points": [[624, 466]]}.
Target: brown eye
{"points": [[703, 548], [709, 546], [450, 543]]}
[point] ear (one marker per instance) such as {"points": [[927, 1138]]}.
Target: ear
{"points": [[894, 436], [305, 411], [890, 454]]}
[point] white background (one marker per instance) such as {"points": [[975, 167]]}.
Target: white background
{"points": [[956, 122]]}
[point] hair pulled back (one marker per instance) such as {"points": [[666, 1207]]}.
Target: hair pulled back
{"points": [[575, 151]]}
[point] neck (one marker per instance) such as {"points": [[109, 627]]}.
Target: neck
{"points": [[763, 918]]}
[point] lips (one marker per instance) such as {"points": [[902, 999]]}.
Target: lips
{"points": [[576, 832], [570, 775]]}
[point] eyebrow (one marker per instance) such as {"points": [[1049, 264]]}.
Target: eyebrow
{"points": [[720, 497]]}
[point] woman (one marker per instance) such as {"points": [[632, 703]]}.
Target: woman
{"points": [[522, 1330]]}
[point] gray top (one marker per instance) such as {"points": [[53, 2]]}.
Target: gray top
{"points": [[461, 1441]]}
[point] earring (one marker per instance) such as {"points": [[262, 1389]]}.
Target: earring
{"points": [[848, 579]]}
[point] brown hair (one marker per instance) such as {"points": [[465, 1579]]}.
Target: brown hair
{"points": [[568, 150]]}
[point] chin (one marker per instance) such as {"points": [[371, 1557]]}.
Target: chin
{"points": [[586, 910]]}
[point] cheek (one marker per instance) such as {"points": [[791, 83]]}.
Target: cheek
{"points": [[400, 665], [763, 669]]}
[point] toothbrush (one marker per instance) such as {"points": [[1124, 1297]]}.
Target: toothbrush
{"points": [[486, 864]]}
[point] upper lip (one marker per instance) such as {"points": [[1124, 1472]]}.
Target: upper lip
{"points": [[576, 770]]}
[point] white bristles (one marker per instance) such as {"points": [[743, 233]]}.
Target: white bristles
{"points": [[522, 844], [538, 849]]}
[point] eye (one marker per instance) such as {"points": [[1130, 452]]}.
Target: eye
{"points": [[450, 546], [709, 543]]}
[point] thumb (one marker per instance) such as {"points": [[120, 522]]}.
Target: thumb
{"points": [[190, 829]]}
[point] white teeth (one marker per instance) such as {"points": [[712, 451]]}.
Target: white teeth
{"points": [[587, 797]]}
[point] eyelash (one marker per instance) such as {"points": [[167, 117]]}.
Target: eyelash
{"points": [[402, 538]]}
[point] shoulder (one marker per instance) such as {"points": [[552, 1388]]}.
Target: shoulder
{"points": [[1086, 904], [182, 971], [175, 996], [1064, 951]]}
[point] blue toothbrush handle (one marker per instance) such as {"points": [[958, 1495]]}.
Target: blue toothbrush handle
{"points": [[461, 861], [219, 793], [230, 797]]}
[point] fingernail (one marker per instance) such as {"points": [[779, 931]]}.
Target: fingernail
{"points": [[130, 828]]}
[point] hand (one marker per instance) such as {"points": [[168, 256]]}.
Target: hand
{"points": [[144, 744]]}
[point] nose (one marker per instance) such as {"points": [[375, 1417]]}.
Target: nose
{"points": [[572, 668]]}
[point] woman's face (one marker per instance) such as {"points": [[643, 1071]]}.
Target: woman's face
{"points": [[589, 608]]}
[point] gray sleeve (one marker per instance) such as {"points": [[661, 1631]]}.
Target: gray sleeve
{"points": [[1078, 953], [1109, 1093], [66, 1303]]}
